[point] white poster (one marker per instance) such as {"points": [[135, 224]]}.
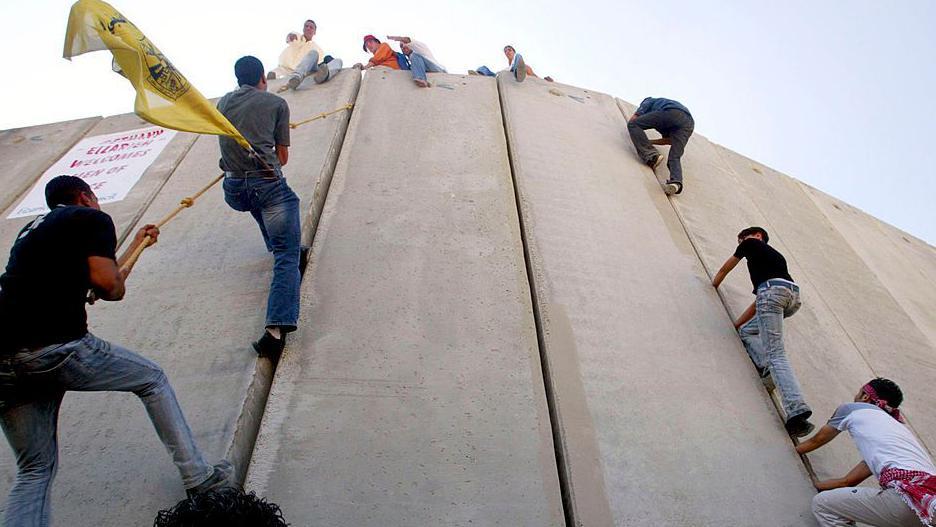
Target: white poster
{"points": [[111, 164]]}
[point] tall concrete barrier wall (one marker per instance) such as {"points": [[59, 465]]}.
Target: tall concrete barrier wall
{"points": [[904, 264], [412, 393], [504, 321], [850, 327], [195, 301], [662, 419]]}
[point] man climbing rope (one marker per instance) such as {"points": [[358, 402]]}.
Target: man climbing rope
{"points": [[47, 349], [761, 324], [675, 124], [890, 453], [258, 186], [421, 59], [314, 62]]}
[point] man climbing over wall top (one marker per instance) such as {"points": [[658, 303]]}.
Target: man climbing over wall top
{"points": [[314, 62], [421, 59], [258, 186], [46, 349], [675, 124], [889, 452], [761, 324]]}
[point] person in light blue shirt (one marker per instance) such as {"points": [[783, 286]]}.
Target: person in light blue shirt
{"points": [[675, 124]]}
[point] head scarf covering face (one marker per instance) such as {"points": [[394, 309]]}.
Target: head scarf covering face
{"points": [[881, 403]]}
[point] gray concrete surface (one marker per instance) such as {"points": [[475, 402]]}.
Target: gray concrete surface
{"points": [[849, 329], [28, 152], [904, 264], [880, 331], [125, 212], [713, 208], [195, 301], [412, 393], [663, 421]]}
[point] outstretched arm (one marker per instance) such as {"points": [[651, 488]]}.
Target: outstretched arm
{"points": [[824, 435], [854, 477], [405, 40], [726, 268]]}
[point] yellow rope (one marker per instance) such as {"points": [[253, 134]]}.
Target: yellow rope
{"points": [[189, 201], [321, 116]]}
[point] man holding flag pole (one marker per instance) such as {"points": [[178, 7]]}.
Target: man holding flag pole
{"points": [[59, 256]]}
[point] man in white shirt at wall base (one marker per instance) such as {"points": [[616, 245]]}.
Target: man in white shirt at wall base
{"points": [[890, 452]]}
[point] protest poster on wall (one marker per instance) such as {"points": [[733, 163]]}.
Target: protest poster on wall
{"points": [[111, 164]]}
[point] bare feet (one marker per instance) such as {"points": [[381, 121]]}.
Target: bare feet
{"points": [[421, 83]]}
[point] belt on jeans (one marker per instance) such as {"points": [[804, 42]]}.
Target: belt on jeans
{"points": [[779, 283], [263, 174]]}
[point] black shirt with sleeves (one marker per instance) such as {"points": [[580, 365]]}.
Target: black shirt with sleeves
{"points": [[763, 261], [47, 278]]}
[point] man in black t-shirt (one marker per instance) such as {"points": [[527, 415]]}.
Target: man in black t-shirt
{"points": [[761, 324], [46, 349]]}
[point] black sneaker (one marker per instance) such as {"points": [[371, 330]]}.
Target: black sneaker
{"points": [[269, 346], [303, 258], [799, 425], [763, 372], [220, 478]]}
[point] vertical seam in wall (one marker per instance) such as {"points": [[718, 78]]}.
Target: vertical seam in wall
{"points": [[561, 462]]}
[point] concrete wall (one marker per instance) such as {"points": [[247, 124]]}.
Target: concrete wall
{"points": [[194, 303], [652, 388], [462, 361], [412, 394]]}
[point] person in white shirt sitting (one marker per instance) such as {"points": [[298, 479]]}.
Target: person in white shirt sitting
{"points": [[890, 453], [421, 59]]}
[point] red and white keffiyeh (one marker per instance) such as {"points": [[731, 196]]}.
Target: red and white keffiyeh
{"points": [[916, 488]]}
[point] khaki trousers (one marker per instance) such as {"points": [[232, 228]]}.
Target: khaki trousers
{"points": [[880, 508]]}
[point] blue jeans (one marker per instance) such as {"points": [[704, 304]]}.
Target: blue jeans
{"points": [[484, 70], [421, 65], [675, 125], [310, 64], [32, 385], [763, 339], [276, 208]]}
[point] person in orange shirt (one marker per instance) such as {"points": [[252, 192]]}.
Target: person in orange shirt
{"points": [[383, 55]]}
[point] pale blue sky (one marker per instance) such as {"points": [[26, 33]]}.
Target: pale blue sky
{"points": [[838, 94]]}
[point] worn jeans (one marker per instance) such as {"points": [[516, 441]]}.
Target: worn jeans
{"points": [[310, 64], [675, 125], [421, 65], [763, 339], [32, 385], [879, 508], [275, 207], [484, 70]]}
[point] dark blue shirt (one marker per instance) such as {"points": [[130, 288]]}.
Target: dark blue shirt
{"points": [[659, 104]]}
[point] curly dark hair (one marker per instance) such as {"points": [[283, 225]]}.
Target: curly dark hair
{"points": [[227, 507], [887, 390]]}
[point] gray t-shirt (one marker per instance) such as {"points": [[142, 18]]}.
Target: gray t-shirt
{"points": [[882, 440], [262, 118]]}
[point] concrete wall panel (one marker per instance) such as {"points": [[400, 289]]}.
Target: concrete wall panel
{"points": [[195, 302], [28, 152], [662, 419], [412, 394]]}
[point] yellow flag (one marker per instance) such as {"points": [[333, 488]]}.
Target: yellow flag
{"points": [[164, 96]]}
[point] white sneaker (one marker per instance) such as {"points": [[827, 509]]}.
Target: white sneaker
{"points": [[671, 188]]}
